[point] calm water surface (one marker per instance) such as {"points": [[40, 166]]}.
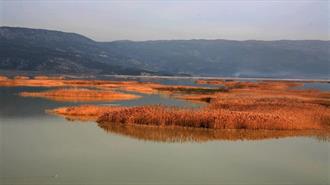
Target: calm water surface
{"points": [[37, 148]]}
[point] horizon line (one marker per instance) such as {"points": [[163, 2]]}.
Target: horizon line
{"points": [[127, 40]]}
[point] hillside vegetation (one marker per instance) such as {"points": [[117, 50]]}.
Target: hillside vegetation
{"points": [[46, 51]]}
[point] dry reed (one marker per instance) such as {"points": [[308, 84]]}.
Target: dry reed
{"points": [[214, 118], [80, 95]]}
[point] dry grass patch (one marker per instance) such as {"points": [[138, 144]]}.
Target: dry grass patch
{"points": [[270, 109], [162, 116], [83, 112], [43, 77], [236, 105], [232, 84], [169, 124], [135, 86], [3, 78], [215, 118], [142, 87], [54, 81], [80, 95], [190, 89], [21, 78]]}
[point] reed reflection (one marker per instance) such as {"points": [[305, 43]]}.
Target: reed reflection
{"points": [[180, 135]]}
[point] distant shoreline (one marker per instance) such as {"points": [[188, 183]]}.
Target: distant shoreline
{"points": [[34, 73], [223, 78]]}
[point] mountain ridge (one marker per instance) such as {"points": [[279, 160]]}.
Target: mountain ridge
{"points": [[65, 52]]}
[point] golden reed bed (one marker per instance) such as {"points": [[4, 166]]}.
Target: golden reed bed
{"points": [[135, 86], [212, 118], [44, 81], [271, 105], [255, 105], [80, 95]]}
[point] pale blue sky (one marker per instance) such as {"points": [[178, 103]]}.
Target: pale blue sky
{"points": [[172, 19]]}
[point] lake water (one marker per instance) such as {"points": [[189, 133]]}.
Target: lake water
{"points": [[38, 148]]}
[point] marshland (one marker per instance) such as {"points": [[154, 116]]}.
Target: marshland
{"points": [[156, 121], [227, 104], [157, 92]]}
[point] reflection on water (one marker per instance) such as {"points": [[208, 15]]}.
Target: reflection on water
{"points": [[178, 134]]}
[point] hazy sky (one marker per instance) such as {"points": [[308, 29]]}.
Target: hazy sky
{"points": [[172, 19]]}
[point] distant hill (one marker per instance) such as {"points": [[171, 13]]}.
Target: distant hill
{"points": [[57, 52], [60, 52]]}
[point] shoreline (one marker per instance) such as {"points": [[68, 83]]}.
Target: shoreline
{"points": [[226, 78], [94, 76]]}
